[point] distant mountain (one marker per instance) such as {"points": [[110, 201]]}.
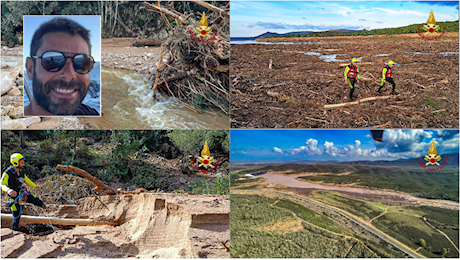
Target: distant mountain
{"points": [[344, 30], [452, 161], [265, 35]]}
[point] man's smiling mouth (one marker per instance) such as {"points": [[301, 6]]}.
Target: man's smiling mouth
{"points": [[64, 90]]}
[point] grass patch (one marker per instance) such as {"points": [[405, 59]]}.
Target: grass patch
{"points": [[410, 229], [363, 209]]}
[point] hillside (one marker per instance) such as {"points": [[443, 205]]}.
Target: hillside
{"points": [[450, 27]]}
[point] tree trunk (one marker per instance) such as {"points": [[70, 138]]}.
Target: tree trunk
{"points": [[23, 144], [58, 221]]}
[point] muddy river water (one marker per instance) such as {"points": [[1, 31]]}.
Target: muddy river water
{"points": [[292, 181], [375, 194], [127, 103]]}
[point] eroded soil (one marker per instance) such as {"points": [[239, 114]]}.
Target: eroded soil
{"points": [[149, 226], [293, 93]]}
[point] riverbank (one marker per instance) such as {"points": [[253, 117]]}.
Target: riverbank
{"points": [[126, 96]]}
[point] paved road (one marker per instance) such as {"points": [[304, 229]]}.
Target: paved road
{"points": [[371, 229]]}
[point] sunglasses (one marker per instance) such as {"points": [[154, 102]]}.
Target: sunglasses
{"points": [[54, 61]]}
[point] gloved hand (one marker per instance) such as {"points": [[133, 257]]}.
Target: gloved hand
{"points": [[12, 193]]}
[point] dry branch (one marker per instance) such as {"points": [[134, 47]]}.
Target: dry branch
{"points": [[59, 221], [356, 102], [100, 187], [160, 9], [212, 8], [380, 126]]}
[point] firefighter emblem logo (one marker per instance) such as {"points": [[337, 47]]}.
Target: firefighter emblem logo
{"points": [[203, 33], [431, 162], [431, 29], [205, 161]]}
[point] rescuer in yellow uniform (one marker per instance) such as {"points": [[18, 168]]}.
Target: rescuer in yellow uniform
{"points": [[351, 75]]}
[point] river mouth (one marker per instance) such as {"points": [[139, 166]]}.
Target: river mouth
{"points": [[128, 103]]}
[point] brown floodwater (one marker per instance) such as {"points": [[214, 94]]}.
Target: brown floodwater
{"points": [[127, 103], [292, 182], [364, 193]]}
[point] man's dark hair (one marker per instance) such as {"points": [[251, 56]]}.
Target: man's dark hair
{"points": [[56, 25]]}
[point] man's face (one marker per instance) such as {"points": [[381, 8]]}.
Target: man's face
{"points": [[391, 65], [62, 92], [21, 164]]}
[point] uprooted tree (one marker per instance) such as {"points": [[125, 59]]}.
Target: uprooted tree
{"points": [[191, 68]]}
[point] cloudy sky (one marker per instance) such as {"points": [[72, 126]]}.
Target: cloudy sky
{"points": [[340, 145], [252, 18]]}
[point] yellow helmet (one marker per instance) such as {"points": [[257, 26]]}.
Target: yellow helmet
{"points": [[390, 62], [15, 158], [354, 60]]}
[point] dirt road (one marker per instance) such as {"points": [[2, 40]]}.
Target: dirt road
{"points": [[306, 76]]}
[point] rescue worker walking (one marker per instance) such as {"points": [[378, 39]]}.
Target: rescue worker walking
{"points": [[13, 180], [387, 75], [351, 75]]}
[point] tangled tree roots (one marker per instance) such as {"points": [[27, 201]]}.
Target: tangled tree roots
{"points": [[194, 69]]}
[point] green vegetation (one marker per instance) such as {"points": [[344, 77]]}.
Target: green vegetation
{"points": [[191, 141], [361, 208], [403, 223], [219, 186], [315, 168], [432, 103], [119, 19], [409, 228], [450, 27], [123, 158], [270, 228], [443, 184]]}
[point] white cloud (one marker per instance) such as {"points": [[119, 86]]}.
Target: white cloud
{"points": [[278, 150]]}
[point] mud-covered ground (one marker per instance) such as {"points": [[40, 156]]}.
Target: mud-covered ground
{"points": [[303, 79]]}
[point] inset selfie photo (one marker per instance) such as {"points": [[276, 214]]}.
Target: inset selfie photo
{"points": [[62, 66]]}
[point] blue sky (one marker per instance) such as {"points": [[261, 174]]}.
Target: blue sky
{"points": [[252, 18], [92, 23], [340, 145]]}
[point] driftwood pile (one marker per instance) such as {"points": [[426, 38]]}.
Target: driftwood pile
{"points": [[194, 69]]}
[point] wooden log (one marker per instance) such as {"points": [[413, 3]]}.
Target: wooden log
{"points": [[101, 187], [437, 111], [356, 102], [59, 221], [211, 7]]}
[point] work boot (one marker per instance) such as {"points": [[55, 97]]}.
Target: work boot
{"points": [[394, 92]]}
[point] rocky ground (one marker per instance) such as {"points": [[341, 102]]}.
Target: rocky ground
{"points": [[119, 53], [307, 75]]}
